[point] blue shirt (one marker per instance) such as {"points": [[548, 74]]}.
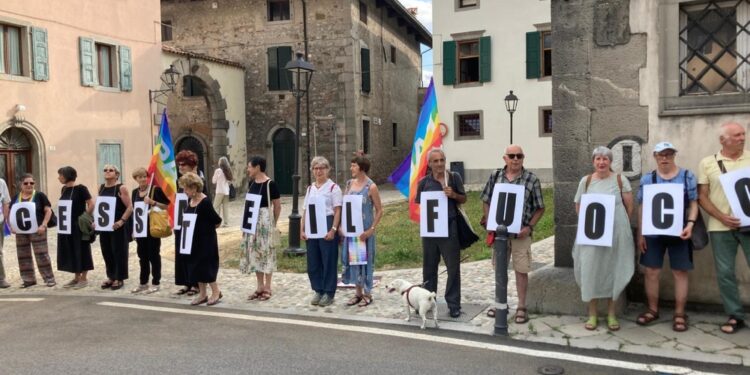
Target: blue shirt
{"points": [[692, 183]]}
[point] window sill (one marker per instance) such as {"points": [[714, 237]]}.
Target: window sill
{"points": [[545, 135], [107, 89], [15, 78], [704, 105], [544, 79], [469, 138], [467, 84], [280, 22]]}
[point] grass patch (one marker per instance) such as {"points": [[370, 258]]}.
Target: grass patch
{"points": [[398, 244]]}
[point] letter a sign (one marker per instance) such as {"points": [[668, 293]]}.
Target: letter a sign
{"points": [[433, 214], [596, 220], [736, 186], [506, 207], [663, 209]]}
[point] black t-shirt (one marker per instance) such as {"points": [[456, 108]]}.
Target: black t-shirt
{"points": [[158, 195], [79, 194], [262, 190], [41, 201]]}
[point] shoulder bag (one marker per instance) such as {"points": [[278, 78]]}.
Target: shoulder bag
{"points": [[274, 237], [158, 221], [466, 235]]}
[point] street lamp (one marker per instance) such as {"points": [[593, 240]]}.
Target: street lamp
{"points": [[301, 72], [168, 78], [511, 101]]}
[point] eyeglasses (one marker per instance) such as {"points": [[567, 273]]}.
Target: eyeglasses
{"points": [[29, 183], [515, 156], [108, 170]]}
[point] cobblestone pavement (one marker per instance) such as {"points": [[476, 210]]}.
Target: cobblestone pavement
{"points": [[291, 294]]}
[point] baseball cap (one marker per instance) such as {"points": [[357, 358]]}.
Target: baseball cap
{"points": [[661, 146]]}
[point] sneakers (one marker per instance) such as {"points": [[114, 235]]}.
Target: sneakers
{"points": [[315, 301], [325, 300], [4, 284], [139, 288]]}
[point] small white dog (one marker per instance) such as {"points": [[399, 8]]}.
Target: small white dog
{"points": [[417, 298]]}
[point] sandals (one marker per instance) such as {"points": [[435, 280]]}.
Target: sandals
{"points": [[612, 323], [117, 285], [181, 291], [647, 317], [197, 302], [255, 295], [264, 295], [192, 292], [522, 316], [491, 312], [680, 322], [215, 301], [366, 300], [732, 326], [107, 284], [592, 323], [354, 300]]}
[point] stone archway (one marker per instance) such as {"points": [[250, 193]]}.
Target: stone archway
{"points": [[22, 146]]}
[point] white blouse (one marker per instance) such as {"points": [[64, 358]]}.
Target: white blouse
{"points": [[222, 185], [330, 191]]}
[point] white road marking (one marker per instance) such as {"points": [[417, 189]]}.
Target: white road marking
{"points": [[21, 299], [636, 366]]}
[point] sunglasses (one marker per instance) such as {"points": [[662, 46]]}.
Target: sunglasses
{"points": [[29, 183], [109, 170], [515, 156]]}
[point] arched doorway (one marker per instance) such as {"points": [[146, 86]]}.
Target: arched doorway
{"points": [[15, 157], [194, 145], [283, 159]]}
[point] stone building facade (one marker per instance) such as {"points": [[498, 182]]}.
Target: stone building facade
{"points": [[363, 93], [629, 74]]}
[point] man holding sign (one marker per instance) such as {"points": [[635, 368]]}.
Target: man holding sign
{"points": [[532, 209], [723, 222], [660, 230], [445, 245]]}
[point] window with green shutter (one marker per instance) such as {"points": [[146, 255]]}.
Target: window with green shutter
{"points": [[126, 69], [449, 62], [88, 61], [41, 58], [533, 40], [279, 78], [365, 66], [468, 61], [485, 59], [11, 52]]}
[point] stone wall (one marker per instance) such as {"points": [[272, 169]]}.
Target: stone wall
{"points": [[238, 30]]}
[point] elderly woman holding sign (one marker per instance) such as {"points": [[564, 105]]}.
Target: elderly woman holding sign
{"points": [[111, 214], [440, 180], [199, 241], [258, 251], [187, 161], [655, 242], [30, 214], [359, 231], [144, 197], [321, 212], [603, 266], [73, 252]]}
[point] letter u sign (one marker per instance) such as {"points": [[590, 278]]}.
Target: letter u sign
{"points": [[596, 220]]}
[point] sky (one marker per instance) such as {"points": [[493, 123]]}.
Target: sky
{"points": [[424, 15]]}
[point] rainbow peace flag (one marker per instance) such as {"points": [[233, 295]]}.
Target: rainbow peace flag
{"points": [[427, 137], [162, 166]]}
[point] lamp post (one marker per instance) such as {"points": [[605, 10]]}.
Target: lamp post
{"points": [[301, 72], [511, 101]]}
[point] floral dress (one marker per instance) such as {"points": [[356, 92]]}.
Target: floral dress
{"points": [[257, 255]]}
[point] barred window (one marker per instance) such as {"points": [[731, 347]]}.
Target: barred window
{"points": [[714, 47]]}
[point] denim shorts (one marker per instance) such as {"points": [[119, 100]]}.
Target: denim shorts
{"points": [[680, 253]]}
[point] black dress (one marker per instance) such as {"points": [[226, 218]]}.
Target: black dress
{"points": [[180, 260], [115, 243], [73, 253], [203, 261]]}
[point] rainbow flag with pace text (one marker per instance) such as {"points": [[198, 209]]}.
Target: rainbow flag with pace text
{"points": [[427, 137], [162, 166]]}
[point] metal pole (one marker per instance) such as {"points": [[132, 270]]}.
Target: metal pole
{"points": [[500, 247], [295, 218], [511, 128], [307, 98]]}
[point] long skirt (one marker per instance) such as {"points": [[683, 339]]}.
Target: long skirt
{"points": [[257, 253]]}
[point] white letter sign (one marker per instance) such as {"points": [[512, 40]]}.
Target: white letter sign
{"points": [[663, 209], [251, 213], [23, 217], [316, 225], [351, 216], [140, 219], [506, 207], [186, 235], [596, 220], [181, 201], [736, 186], [64, 216], [104, 213], [433, 214]]}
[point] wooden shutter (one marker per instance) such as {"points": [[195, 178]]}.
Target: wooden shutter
{"points": [[273, 69], [41, 55], [533, 41], [485, 59], [88, 61], [365, 64], [126, 69], [283, 57], [449, 62]]}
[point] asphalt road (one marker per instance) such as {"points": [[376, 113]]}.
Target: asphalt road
{"points": [[94, 335]]}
